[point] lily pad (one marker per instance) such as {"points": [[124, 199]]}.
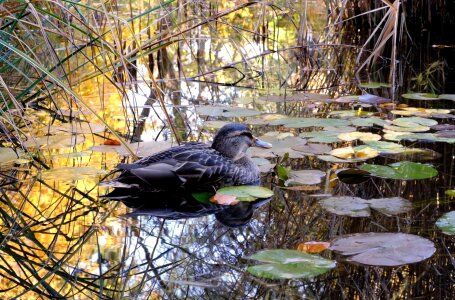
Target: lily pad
{"points": [[225, 111], [386, 147], [447, 223], [282, 143], [404, 170], [367, 122], [327, 137], [307, 177], [374, 84], [288, 264], [358, 207], [246, 192], [311, 149], [357, 135], [347, 99], [411, 121], [353, 154], [420, 96], [384, 248], [346, 206], [310, 122], [373, 99], [263, 164], [264, 119]]}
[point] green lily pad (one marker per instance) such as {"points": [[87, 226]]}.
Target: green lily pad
{"points": [[288, 264], [384, 248], [326, 137], [450, 193], [311, 149], [374, 84], [367, 122], [347, 114], [264, 119], [357, 135], [282, 143], [246, 192], [385, 147], [355, 154], [411, 121], [420, 96], [263, 164], [404, 170], [447, 223], [214, 124], [225, 111]]}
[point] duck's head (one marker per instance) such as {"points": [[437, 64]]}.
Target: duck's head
{"points": [[234, 139]]}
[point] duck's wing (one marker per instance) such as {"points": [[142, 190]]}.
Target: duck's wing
{"points": [[189, 167]]}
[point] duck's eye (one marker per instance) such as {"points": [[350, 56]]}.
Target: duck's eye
{"points": [[248, 134]]}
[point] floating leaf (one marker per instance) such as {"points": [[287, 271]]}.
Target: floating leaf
{"points": [[263, 164], [442, 127], [404, 170], [385, 147], [358, 207], [373, 99], [447, 223], [411, 121], [288, 264], [357, 135], [333, 159], [383, 248], [110, 142], [450, 193], [414, 154], [203, 197], [358, 153], [225, 111], [246, 192], [223, 199], [312, 149], [350, 113], [367, 122], [321, 136], [313, 247], [282, 143], [374, 84], [307, 177], [346, 206], [265, 119], [420, 96], [347, 99]]}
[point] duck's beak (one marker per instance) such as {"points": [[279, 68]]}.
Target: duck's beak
{"points": [[261, 143]]}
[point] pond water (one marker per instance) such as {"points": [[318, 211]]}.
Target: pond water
{"points": [[361, 168]]}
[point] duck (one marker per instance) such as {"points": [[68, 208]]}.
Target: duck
{"points": [[190, 167]]}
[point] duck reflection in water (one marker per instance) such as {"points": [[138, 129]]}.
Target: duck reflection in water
{"points": [[163, 184]]}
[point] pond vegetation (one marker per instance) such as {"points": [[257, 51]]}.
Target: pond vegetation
{"points": [[356, 97]]}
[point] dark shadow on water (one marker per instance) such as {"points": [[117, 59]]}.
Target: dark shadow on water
{"points": [[181, 205]]}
